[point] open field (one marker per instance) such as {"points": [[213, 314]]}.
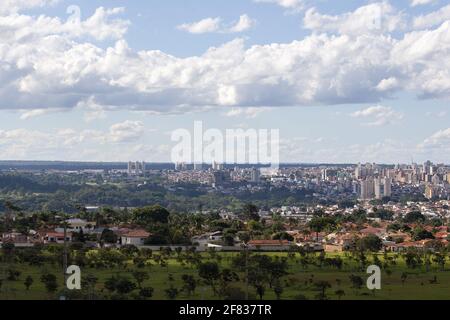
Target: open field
{"points": [[418, 284]]}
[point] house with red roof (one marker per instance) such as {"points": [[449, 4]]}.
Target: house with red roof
{"points": [[55, 237], [135, 237], [269, 245]]}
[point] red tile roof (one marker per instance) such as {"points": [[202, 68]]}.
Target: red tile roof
{"points": [[269, 243], [137, 234]]}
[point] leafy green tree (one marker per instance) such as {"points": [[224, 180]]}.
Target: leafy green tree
{"points": [[13, 274], [146, 292], [172, 293], [322, 286], [340, 293], [357, 281], [140, 277], [8, 251], [125, 286], [79, 236], [50, 282], [282, 236], [414, 216], [189, 284], [28, 282], [250, 212], [319, 224], [370, 243], [108, 236], [278, 290], [421, 234], [210, 273], [153, 214], [119, 284]]}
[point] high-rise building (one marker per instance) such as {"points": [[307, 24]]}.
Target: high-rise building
{"points": [[426, 167], [435, 180], [198, 166], [136, 168], [387, 187], [255, 175], [217, 166], [379, 188], [220, 178], [367, 189], [180, 166], [430, 192], [358, 171]]}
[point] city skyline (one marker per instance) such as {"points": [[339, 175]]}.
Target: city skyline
{"points": [[359, 81]]}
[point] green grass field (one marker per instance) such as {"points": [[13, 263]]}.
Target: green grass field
{"points": [[298, 282]]}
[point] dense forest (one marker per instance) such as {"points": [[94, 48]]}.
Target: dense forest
{"points": [[52, 192]]}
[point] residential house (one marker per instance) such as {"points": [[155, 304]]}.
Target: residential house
{"points": [[135, 237], [269, 245], [55, 237], [14, 237]]}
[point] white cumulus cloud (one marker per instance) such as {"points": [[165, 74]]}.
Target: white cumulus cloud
{"points": [[378, 116], [432, 19], [211, 25]]}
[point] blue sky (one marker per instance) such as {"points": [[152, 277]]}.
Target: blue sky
{"points": [[343, 81]]}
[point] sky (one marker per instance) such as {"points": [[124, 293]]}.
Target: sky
{"points": [[343, 81]]}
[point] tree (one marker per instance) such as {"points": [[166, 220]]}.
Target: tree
{"points": [[189, 284], [209, 272], [250, 212], [28, 282], [146, 292], [226, 277], [370, 243], [235, 294], [228, 239], [244, 237], [50, 282], [282, 236], [440, 260], [172, 293], [13, 274], [108, 236], [260, 290], [322, 286], [340, 293], [79, 236], [278, 290], [153, 214], [318, 224], [119, 284], [414, 216], [404, 277], [357, 281], [8, 251], [422, 234], [140, 277]]}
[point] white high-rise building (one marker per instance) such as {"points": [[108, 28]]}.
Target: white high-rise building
{"points": [[255, 175], [198, 166], [379, 189], [367, 189], [217, 166], [136, 168]]}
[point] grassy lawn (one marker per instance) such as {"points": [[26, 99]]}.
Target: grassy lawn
{"points": [[299, 281]]}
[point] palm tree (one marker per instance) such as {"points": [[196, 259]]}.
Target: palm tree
{"points": [[322, 286]]}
